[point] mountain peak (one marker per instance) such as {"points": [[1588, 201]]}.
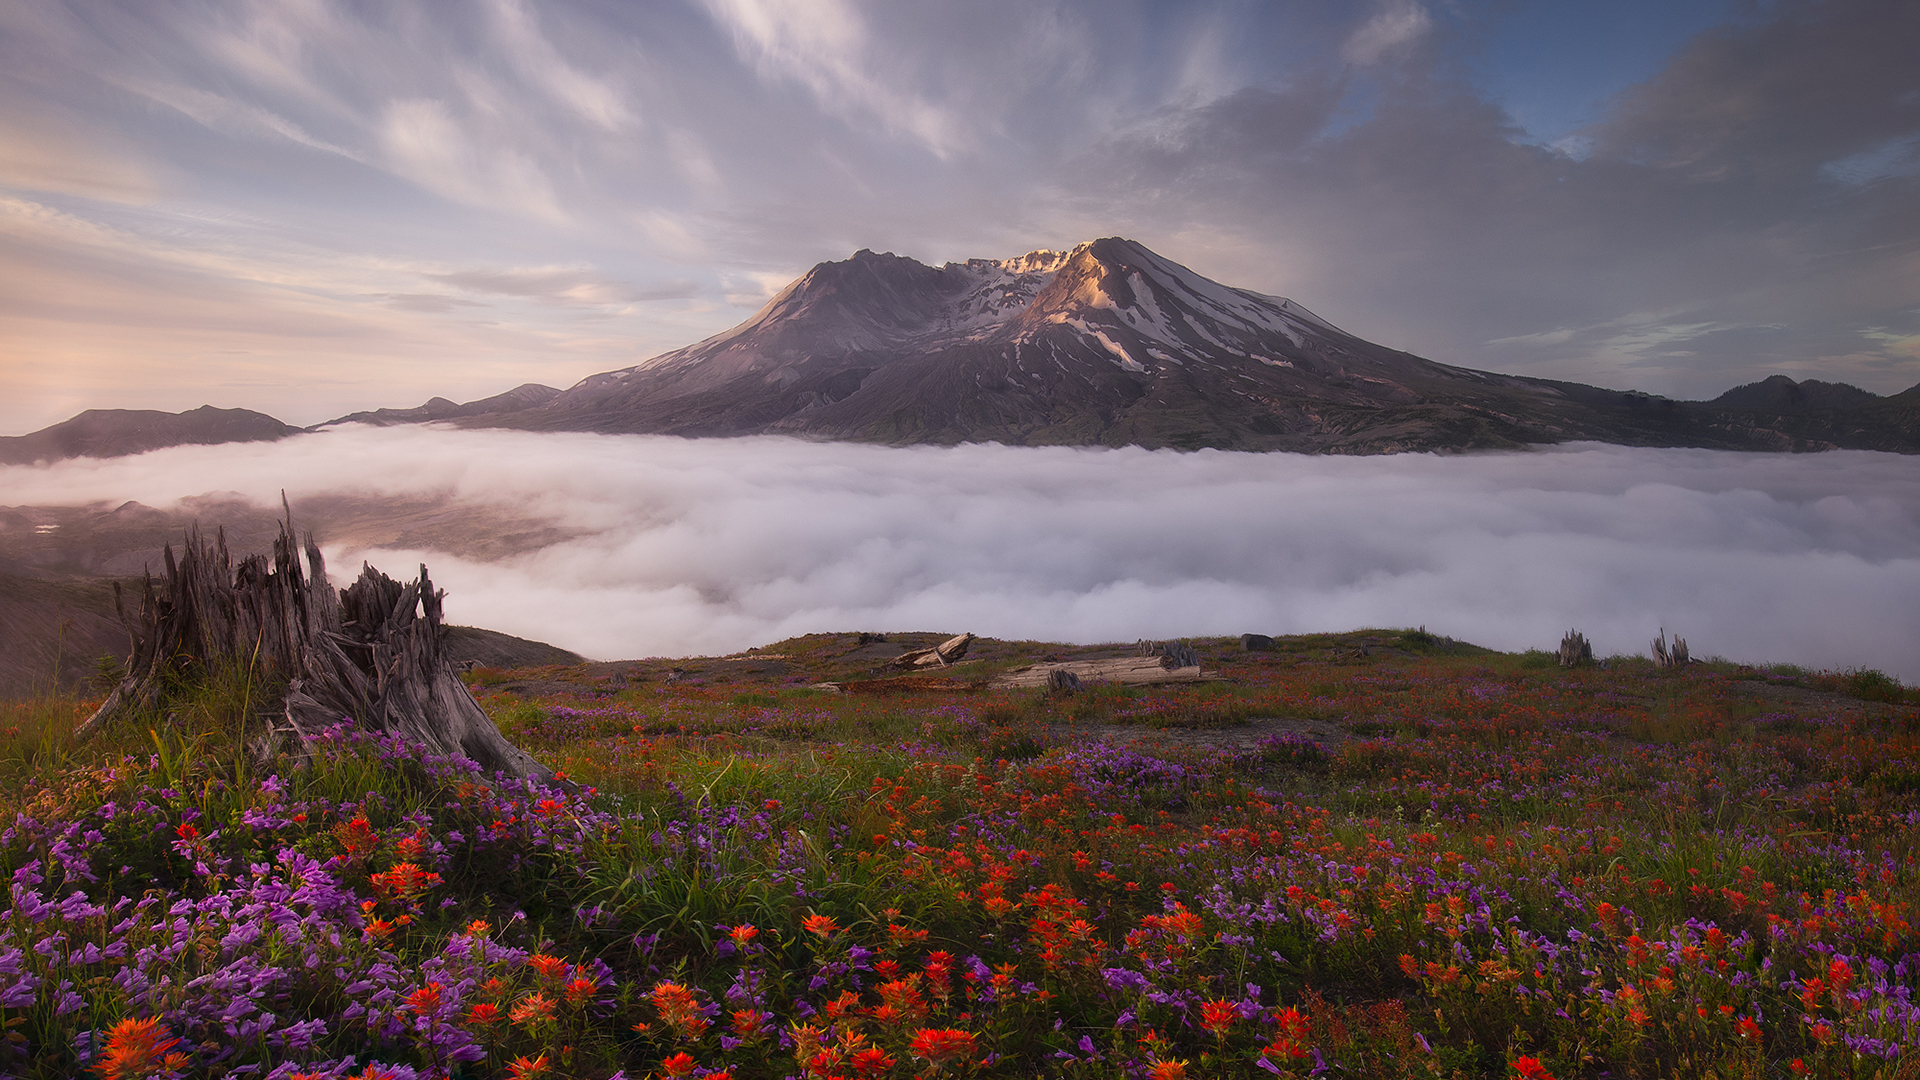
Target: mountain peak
{"points": [[1106, 343]]}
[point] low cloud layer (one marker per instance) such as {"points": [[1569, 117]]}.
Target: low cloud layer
{"points": [[687, 547]]}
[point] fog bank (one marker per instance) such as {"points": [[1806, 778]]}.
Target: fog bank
{"points": [[707, 546]]}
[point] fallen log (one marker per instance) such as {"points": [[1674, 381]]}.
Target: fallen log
{"points": [[1129, 670], [939, 656], [372, 654]]}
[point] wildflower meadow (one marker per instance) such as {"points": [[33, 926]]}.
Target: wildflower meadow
{"points": [[1373, 855]]}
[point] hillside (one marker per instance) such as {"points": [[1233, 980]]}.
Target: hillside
{"points": [[1372, 854], [115, 432]]}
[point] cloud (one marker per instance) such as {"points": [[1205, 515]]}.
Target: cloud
{"points": [[565, 285], [699, 546], [822, 45], [426, 144], [1763, 178], [427, 303], [1401, 24], [42, 153], [598, 100]]}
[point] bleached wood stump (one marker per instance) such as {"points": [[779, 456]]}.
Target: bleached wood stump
{"points": [[372, 653]]}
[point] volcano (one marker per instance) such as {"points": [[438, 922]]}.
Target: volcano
{"points": [[1107, 344]]}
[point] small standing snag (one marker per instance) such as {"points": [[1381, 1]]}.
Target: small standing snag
{"points": [[1173, 654], [372, 653], [1574, 650], [1670, 657]]}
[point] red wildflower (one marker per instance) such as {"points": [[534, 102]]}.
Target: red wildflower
{"points": [[1291, 1030], [1217, 1016], [1839, 974], [819, 925], [1747, 1028], [743, 933], [942, 1045], [580, 991], [404, 881], [1529, 1068], [138, 1048], [1168, 1069], [872, 1061], [532, 1009], [680, 1064], [356, 835], [426, 999], [484, 1015], [679, 1008], [549, 967], [523, 1068]]}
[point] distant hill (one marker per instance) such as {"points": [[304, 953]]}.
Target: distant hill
{"points": [[524, 396], [53, 630], [105, 433], [490, 648]]}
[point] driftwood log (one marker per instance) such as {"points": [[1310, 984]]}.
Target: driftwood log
{"points": [[372, 654], [940, 655]]}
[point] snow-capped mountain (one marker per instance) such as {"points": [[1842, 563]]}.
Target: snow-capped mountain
{"points": [[1106, 344]]}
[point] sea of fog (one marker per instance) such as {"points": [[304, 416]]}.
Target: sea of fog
{"points": [[688, 547]]}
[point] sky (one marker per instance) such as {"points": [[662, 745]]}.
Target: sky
{"points": [[310, 207], [673, 547]]}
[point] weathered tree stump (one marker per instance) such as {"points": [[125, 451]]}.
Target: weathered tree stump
{"points": [[1674, 656], [371, 654], [1574, 650], [1173, 654]]}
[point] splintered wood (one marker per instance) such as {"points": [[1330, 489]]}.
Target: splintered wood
{"points": [[1130, 670]]}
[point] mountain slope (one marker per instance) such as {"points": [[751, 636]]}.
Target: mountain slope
{"points": [[524, 396]]}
